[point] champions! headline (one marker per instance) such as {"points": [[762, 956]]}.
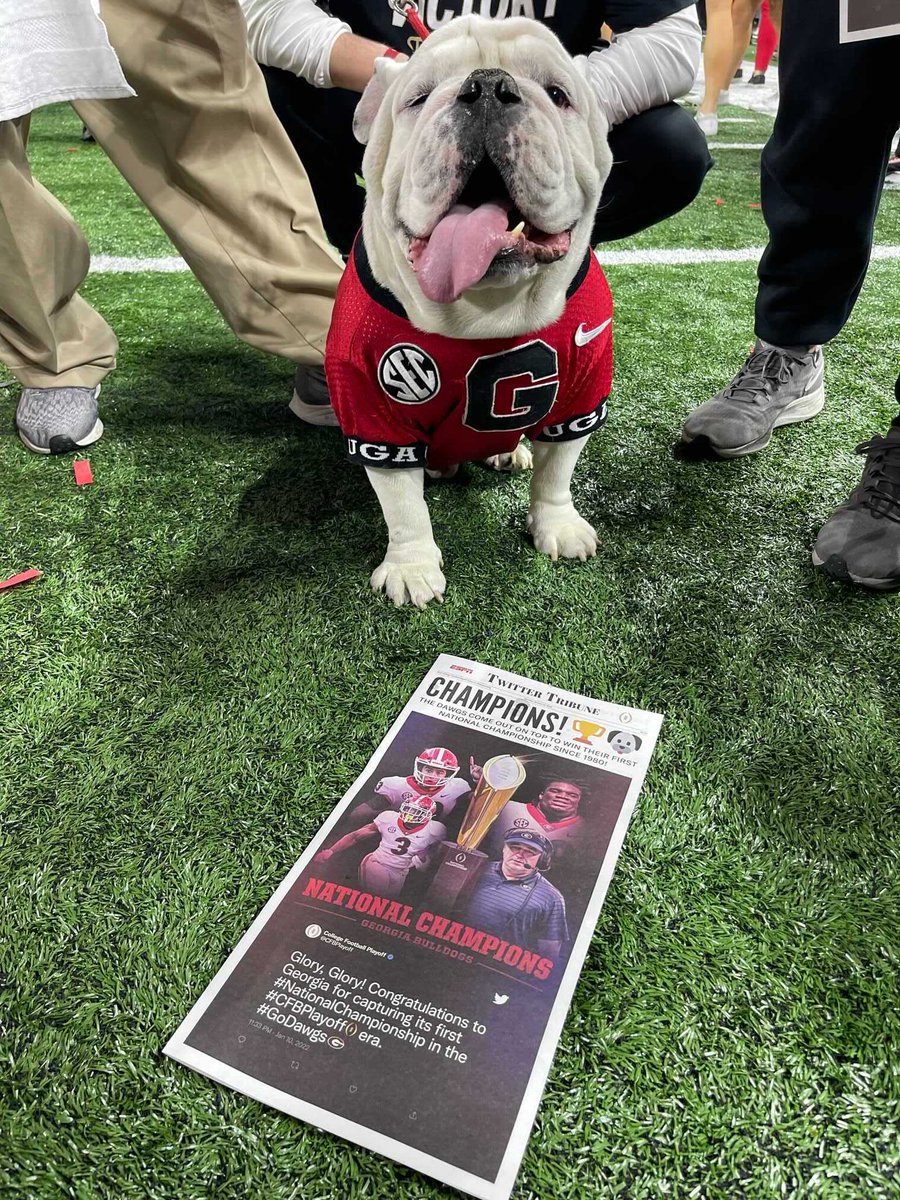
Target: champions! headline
{"points": [[507, 708], [431, 924]]}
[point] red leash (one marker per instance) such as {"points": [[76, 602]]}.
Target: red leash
{"points": [[410, 10]]}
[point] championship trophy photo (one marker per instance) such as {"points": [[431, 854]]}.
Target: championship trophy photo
{"points": [[461, 862]]}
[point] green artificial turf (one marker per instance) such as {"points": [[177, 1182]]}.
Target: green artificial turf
{"points": [[203, 670]]}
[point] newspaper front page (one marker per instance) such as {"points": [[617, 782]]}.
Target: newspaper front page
{"points": [[406, 986]]}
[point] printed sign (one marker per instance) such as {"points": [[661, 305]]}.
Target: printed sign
{"points": [[862, 20]]}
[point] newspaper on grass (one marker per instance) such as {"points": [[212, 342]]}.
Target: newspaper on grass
{"points": [[406, 985]]}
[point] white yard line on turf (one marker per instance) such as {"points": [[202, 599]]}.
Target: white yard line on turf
{"points": [[105, 264], [102, 265], [736, 145], [662, 258]]}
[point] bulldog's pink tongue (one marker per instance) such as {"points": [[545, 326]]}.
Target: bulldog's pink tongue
{"points": [[460, 250]]}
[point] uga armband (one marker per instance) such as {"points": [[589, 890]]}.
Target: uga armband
{"points": [[575, 427], [386, 454]]}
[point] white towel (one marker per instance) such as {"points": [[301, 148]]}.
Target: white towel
{"points": [[54, 50]]}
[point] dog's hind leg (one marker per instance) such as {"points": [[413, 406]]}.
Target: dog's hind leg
{"points": [[411, 571], [555, 525]]}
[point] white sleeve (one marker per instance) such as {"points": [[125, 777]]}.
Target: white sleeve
{"points": [[295, 35], [647, 66]]}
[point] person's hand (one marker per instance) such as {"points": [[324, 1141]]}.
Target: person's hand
{"points": [[475, 770], [323, 856], [352, 61]]}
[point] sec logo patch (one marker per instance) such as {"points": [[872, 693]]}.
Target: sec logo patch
{"points": [[408, 375]]}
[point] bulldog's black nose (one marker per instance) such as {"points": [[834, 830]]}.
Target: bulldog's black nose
{"points": [[489, 87]]}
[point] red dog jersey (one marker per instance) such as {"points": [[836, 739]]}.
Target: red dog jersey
{"points": [[405, 398]]}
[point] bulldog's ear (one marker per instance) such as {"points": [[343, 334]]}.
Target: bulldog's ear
{"points": [[386, 71]]}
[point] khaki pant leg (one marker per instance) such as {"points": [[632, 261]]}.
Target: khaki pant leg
{"points": [[49, 336], [203, 149]]}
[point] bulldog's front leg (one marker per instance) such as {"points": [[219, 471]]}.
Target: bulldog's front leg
{"points": [[555, 525], [411, 571]]}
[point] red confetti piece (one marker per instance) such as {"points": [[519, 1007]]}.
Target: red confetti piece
{"points": [[754, 206], [719, 201], [23, 577], [83, 473]]}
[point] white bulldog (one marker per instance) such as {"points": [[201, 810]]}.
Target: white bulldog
{"points": [[472, 311]]}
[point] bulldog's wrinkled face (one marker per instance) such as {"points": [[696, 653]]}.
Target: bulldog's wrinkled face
{"points": [[486, 156]]}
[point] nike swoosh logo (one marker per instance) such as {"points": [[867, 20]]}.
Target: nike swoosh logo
{"points": [[583, 336]]}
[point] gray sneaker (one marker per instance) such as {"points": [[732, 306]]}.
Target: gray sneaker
{"points": [[774, 387], [58, 420], [311, 401], [860, 541]]}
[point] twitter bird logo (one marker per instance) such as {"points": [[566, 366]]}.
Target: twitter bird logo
{"points": [[498, 999]]}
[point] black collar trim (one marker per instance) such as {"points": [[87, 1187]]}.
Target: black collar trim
{"points": [[379, 294]]}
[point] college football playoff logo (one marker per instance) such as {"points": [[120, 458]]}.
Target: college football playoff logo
{"points": [[408, 375]]}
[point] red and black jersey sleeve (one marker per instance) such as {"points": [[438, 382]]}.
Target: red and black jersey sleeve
{"points": [[584, 338]]}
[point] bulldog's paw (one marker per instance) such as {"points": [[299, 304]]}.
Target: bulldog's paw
{"points": [[561, 533], [414, 582], [519, 460]]}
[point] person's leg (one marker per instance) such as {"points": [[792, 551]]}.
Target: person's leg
{"points": [[742, 13], [766, 41], [718, 53], [319, 122], [55, 344], [49, 335], [834, 98], [203, 149], [775, 8], [660, 159], [860, 541]]}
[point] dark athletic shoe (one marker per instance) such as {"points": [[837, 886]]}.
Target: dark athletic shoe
{"points": [[758, 77], [58, 420], [860, 541], [774, 387], [311, 401]]}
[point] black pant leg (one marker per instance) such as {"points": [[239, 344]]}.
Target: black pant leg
{"points": [[319, 122], [822, 173], [660, 159]]}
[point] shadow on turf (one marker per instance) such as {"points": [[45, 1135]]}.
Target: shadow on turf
{"points": [[311, 515], [698, 451], [310, 493], [234, 391]]}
